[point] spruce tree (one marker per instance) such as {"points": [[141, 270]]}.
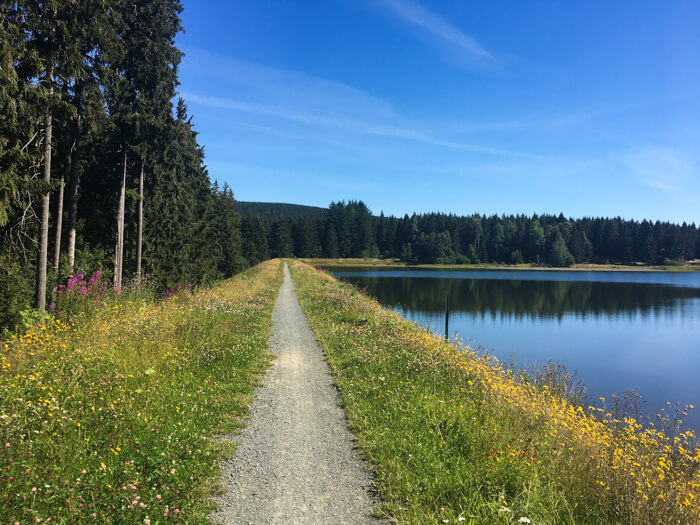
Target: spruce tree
{"points": [[20, 121], [255, 247], [93, 45], [228, 230], [143, 80], [281, 239], [331, 246], [559, 254], [45, 38]]}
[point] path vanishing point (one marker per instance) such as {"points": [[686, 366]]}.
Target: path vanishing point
{"points": [[295, 461]]}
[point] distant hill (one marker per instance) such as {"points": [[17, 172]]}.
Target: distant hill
{"points": [[272, 210]]}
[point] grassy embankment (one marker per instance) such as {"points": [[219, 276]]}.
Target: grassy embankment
{"points": [[690, 266], [111, 416], [453, 437]]}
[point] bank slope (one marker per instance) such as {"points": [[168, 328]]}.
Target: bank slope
{"points": [[453, 437]]}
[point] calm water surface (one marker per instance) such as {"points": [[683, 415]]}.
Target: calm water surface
{"points": [[619, 330]]}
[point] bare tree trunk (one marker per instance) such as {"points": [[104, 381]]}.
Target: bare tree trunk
{"points": [[59, 225], [73, 187], [40, 299], [139, 240], [119, 251]]}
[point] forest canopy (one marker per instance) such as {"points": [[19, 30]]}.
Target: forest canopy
{"points": [[351, 230], [101, 170], [100, 164]]}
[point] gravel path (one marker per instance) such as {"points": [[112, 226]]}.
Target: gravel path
{"points": [[295, 461]]}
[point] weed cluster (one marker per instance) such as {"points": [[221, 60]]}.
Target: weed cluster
{"points": [[81, 295]]}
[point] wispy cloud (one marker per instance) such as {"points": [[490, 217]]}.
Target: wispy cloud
{"points": [[287, 179], [290, 134], [658, 185], [229, 77], [420, 16], [327, 105], [334, 121], [661, 168]]}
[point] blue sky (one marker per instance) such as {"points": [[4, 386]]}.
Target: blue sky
{"points": [[587, 108]]}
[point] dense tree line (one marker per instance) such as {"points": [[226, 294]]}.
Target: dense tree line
{"points": [[271, 210], [99, 170], [350, 230]]}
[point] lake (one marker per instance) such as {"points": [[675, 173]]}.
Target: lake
{"points": [[620, 330]]}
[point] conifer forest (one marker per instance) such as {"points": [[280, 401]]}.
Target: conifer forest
{"points": [[101, 170], [349, 229]]}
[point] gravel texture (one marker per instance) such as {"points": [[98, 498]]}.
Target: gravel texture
{"points": [[295, 461]]}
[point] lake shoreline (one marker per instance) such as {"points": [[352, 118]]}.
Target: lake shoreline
{"points": [[693, 266], [607, 326], [454, 436]]}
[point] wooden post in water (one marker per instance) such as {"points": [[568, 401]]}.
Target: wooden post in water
{"points": [[447, 315]]}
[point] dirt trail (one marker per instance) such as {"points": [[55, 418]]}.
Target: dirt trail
{"points": [[295, 461]]}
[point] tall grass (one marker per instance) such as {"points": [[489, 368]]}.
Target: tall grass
{"points": [[454, 437], [108, 415]]}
